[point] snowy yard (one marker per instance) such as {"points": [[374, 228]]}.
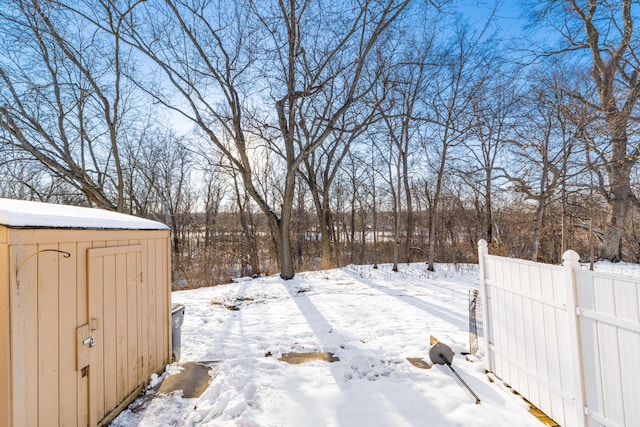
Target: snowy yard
{"points": [[372, 320]]}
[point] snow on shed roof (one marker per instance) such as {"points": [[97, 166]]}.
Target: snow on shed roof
{"points": [[20, 213]]}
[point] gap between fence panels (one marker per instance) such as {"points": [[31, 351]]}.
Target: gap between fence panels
{"points": [[533, 410]]}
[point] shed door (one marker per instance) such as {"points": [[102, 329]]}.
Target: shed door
{"points": [[116, 364]]}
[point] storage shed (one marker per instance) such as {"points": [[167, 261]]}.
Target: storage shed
{"points": [[84, 312]]}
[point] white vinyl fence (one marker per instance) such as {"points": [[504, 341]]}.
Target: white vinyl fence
{"points": [[565, 338]]}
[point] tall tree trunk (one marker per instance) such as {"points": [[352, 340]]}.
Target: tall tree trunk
{"points": [[335, 234], [488, 213], [249, 254], [619, 198], [325, 234], [254, 258], [397, 210], [374, 208], [434, 214], [537, 228], [407, 192], [321, 199], [286, 256], [542, 201], [617, 105], [352, 225]]}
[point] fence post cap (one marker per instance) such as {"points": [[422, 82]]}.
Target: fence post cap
{"points": [[482, 243], [570, 257]]}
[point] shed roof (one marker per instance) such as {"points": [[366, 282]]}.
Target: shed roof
{"points": [[24, 214]]}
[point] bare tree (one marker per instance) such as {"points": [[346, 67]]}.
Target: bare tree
{"points": [[64, 99], [451, 95], [543, 150], [220, 59], [493, 117], [320, 170], [309, 66], [402, 112], [250, 260], [167, 166], [603, 34], [371, 160]]}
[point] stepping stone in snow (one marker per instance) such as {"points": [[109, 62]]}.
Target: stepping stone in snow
{"points": [[419, 362], [193, 380], [178, 391], [299, 358]]}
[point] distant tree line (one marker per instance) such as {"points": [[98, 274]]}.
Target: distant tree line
{"points": [[284, 135]]}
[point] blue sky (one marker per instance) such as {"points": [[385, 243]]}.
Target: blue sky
{"points": [[507, 18]]}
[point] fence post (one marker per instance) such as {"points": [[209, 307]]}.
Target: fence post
{"points": [[570, 261], [483, 249]]}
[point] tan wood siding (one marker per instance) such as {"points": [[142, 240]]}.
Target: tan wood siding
{"points": [[116, 280], [151, 302], [82, 318], [134, 352], [166, 271], [163, 302], [96, 370], [146, 368], [24, 338], [19, 236], [68, 315], [48, 350], [52, 284], [108, 324], [5, 325]]}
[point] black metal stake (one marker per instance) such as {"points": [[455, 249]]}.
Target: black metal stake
{"points": [[446, 362]]}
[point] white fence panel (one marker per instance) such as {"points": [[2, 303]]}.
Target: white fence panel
{"points": [[609, 310], [528, 336], [566, 339]]}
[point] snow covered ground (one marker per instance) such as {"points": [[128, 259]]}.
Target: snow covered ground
{"points": [[371, 319]]}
